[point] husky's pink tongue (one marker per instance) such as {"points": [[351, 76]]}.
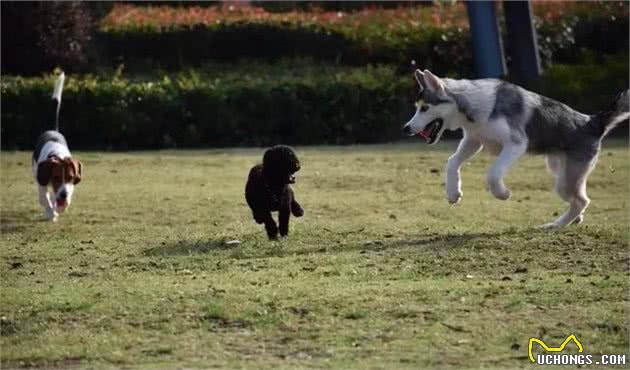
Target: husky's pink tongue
{"points": [[425, 133]]}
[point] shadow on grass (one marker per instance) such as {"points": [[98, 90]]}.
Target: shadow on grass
{"points": [[441, 243], [187, 247], [18, 221], [452, 241], [252, 249], [500, 239]]}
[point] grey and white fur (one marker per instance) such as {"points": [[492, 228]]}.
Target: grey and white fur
{"points": [[509, 121]]}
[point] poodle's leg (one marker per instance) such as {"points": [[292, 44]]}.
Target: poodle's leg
{"points": [[270, 225], [467, 148], [296, 208], [283, 220], [259, 216]]}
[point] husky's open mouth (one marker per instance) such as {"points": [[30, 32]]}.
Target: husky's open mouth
{"points": [[431, 131]]}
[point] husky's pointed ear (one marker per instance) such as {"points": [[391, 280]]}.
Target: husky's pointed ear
{"points": [[433, 82], [420, 78]]}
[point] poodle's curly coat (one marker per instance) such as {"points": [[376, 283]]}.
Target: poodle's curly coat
{"points": [[268, 190]]}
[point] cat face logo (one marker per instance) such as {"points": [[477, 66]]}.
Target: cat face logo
{"points": [[552, 349]]}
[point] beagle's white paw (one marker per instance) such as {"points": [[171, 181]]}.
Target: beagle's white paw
{"points": [[51, 215]]}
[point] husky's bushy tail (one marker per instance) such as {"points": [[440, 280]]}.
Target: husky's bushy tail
{"points": [[56, 98], [616, 113]]}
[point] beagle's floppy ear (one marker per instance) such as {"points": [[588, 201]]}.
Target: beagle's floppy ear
{"points": [[44, 172], [420, 78], [78, 170]]}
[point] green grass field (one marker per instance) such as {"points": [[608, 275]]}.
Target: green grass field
{"points": [[380, 273]]}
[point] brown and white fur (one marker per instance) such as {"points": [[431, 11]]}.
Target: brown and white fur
{"points": [[509, 121], [53, 165]]}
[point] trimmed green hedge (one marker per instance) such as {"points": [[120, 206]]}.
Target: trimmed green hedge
{"points": [[444, 51], [319, 107], [565, 41], [165, 38], [253, 104], [589, 86]]}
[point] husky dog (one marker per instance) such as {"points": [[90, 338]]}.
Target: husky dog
{"points": [[508, 121]]}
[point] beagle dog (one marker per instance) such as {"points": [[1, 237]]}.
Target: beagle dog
{"points": [[53, 165]]}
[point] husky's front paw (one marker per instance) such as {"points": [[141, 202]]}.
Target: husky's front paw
{"points": [[453, 189], [454, 197], [50, 215], [550, 226], [499, 191], [578, 220]]}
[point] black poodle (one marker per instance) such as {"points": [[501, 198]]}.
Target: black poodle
{"points": [[268, 190]]}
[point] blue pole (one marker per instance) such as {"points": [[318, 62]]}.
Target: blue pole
{"points": [[486, 39], [522, 46]]}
